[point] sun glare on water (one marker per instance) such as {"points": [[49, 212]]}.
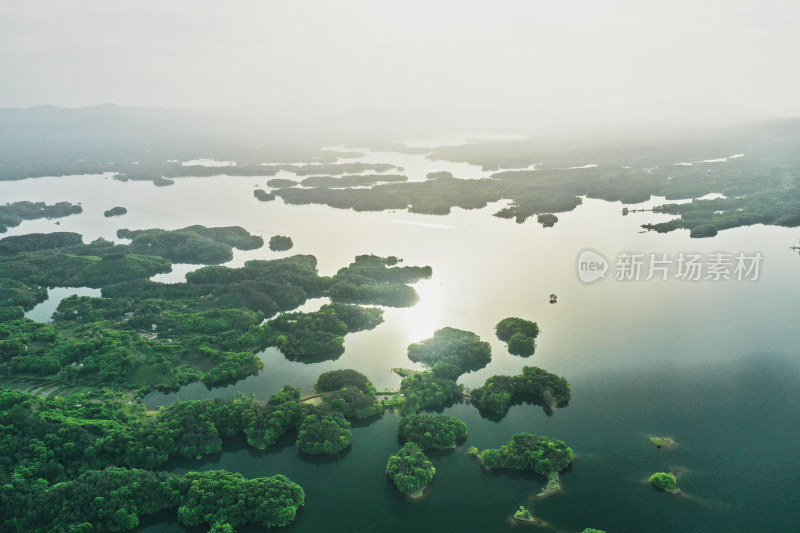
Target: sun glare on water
{"points": [[426, 316]]}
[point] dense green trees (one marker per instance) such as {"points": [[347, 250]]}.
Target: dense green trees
{"points": [[425, 390], [463, 349], [263, 196], [193, 244], [376, 280], [115, 212], [32, 242], [324, 434], [351, 180], [218, 498], [410, 469], [60, 466], [353, 403], [523, 514], [69, 267], [233, 365], [12, 215], [547, 220], [664, 481], [338, 379], [530, 452], [430, 431], [280, 243], [144, 333], [520, 334], [498, 392]]}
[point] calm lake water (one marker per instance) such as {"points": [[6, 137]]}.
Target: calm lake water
{"points": [[713, 365]]}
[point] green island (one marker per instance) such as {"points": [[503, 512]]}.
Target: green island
{"points": [[335, 380], [263, 196], [356, 180], [333, 168], [426, 390], [324, 434], [524, 515], [449, 353], [32, 242], [349, 392], [115, 212], [547, 220], [193, 244], [280, 243], [499, 391], [281, 182], [410, 470], [463, 349], [665, 482], [592, 530], [525, 451], [377, 280], [12, 215], [520, 334], [662, 442], [429, 431]]}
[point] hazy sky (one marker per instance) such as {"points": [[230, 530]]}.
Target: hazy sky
{"points": [[554, 54]]}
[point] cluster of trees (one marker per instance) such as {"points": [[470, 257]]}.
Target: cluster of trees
{"points": [[433, 197], [664, 481], [344, 378], [426, 390], [12, 215], [520, 334], [115, 212], [530, 452], [263, 196], [499, 391], [97, 264], [704, 218], [336, 169], [429, 431], [376, 280], [87, 462], [410, 469], [463, 349], [320, 334], [350, 393], [547, 220], [324, 433], [32, 242], [280, 243], [351, 180], [193, 244], [233, 365]]}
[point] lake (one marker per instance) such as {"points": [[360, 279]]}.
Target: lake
{"points": [[712, 364]]}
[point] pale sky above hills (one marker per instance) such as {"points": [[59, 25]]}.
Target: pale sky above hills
{"points": [[563, 56]]}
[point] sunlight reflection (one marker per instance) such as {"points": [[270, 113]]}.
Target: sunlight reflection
{"points": [[426, 316]]}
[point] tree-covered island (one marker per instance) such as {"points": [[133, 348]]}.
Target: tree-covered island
{"points": [[12, 215], [525, 451], [519, 334], [410, 470], [193, 244], [429, 431], [115, 212], [280, 243], [499, 391]]}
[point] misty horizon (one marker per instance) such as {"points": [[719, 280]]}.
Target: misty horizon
{"points": [[522, 69]]}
